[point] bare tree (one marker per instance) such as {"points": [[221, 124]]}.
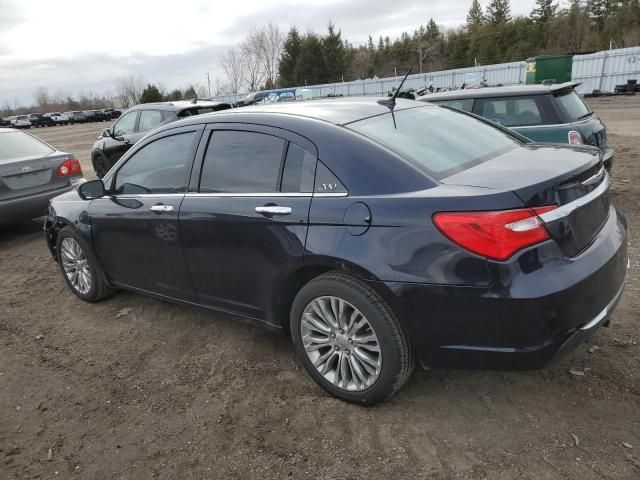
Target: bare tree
{"points": [[361, 63], [42, 98], [233, 65], [250, 50], [269, 44], [129, 89]]}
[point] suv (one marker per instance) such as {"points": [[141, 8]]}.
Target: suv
{"points": [[76, 116], [20, 121], [542, 113], [111, 113], [39, 120], [57, 118], [134, 123]]}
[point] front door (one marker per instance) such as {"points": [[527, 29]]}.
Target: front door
{"points": [[244, 225], [135, 228]]}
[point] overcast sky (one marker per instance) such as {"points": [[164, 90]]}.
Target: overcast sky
{"points": [[83, 45]]}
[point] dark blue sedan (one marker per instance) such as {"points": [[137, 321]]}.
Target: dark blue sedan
{"points": [[375, 236]]}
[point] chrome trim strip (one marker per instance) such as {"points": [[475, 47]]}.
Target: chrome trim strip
{"points": [[594, 178], [334, 194], [606, 311], [265, 194], [569, 208]]}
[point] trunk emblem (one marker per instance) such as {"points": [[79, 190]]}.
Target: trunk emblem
{"points": [[595, 178], [26, 168]]}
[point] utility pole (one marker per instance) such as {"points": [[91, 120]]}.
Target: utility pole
{"points": [[209, 83]]}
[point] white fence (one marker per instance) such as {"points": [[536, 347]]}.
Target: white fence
{"points": [[601, 71]]}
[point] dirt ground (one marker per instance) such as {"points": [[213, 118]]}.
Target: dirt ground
{"points": [[87, 391]]}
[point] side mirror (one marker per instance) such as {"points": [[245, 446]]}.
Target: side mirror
{"points": [[106, 132], [91, 190]]}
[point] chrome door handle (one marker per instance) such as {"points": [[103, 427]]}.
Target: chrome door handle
{"points": [[161, 208], [273, 210]]}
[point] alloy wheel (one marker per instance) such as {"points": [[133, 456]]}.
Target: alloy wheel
{"points": [[341, 343], [75, 265]]}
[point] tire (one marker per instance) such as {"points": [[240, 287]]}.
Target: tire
{"points": [[100, 166], [395, 359], [98, 287]]}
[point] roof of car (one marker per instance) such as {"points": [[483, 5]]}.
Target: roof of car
{"points": [[491, 92], [340, 111], [176, 105]]}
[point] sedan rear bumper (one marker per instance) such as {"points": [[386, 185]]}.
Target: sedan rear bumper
{"points": [[32, 206], [540, 306]]}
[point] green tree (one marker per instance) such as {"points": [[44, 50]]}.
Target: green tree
{"points": [[190, 93], [311, 68], [499, 12], [475, 17], [544, 11], [175, 95], [150, 94], [599, 11], [333, 53], [289, 59]]}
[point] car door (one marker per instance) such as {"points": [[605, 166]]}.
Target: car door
{"points": [[135, 227], [245, 218], [122, 137]]}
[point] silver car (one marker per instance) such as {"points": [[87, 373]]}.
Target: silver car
{"points": [[31, 173], [20, 121]]}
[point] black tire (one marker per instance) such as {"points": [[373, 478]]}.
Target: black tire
{"points": [[398, 360], [100, 165], [99, 286]]}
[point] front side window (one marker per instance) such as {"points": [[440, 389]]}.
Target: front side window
{"points": [[159, 167], [149, 119], [438, 141], [241, 162], [126, 125], [512, 112]]}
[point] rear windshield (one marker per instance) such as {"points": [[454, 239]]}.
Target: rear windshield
{"points": [[18, 144], [440, 142], [573, 106], [22, 117]]}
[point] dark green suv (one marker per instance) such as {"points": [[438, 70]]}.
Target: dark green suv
{"points": [[543, 113]]}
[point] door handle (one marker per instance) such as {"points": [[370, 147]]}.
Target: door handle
{"points": [[161, 208], [271, 210]]}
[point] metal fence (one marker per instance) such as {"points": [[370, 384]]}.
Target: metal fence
{"points": [[601, 71]]}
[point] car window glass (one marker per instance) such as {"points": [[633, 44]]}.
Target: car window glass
{"points": [[126, 125], [573, 106], [238, 162], [18, 144], [464, 104], [149, 119], [159, 167], [299, 169], [512, 111]]}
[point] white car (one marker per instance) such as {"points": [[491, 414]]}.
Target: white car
{"points": [[58, 118], [20, 121]]}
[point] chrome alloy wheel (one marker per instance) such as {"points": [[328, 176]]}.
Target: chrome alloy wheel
{"points": [[341, 343], [75, 265]]}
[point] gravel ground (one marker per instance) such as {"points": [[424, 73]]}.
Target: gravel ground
{"points": [[135, 388]]}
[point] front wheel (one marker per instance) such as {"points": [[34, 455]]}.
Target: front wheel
{"points": [[100, 166], [349, 340]]}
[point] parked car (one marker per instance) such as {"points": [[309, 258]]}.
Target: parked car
{"points": [[251, 99], [5, 122], [111, 113], [19, 121], [58, 118], [113, 142], [39, 120], [544, 113], [372, 244], [31, 173], [99, 116], [76, 116], [89, 116]]}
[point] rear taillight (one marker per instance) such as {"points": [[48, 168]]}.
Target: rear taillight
{"points": [[575, 138], [69, 167], [496, 235]]}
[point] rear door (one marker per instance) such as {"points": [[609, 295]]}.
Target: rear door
{"points": [[245, 219], [135, 227]]}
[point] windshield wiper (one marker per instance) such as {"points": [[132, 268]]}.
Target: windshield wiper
{"points": [[588, 114]]}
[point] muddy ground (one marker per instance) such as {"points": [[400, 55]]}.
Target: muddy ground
{"points": [[89, 392]]}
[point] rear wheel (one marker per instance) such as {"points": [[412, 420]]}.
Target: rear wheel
{"points": [[80, 267], [349, 340]]}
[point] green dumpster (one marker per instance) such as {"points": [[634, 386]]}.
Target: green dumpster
{"points": [[550, 68]]}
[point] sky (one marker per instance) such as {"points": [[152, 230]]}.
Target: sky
{"points": [[78, 46]]}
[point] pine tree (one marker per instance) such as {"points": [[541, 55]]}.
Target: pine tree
{"points": [[475, 17], [599, 10], [150, 94], [289, 59], [333, 53], [311, 68], [433, 31], [544, 11], [499, 12]]}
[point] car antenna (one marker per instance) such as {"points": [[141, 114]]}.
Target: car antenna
{"points": [[195, 98], [391, 102]]}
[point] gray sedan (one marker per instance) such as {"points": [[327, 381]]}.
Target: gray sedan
{"points": [[31, 173]]}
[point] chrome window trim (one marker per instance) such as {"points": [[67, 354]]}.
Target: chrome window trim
{"points": [[251, 194], [569, 208], [331, 194]]}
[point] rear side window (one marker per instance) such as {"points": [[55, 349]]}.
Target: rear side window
{"points": [[18, 144], [572, 106], [149, 119], [463, 104], [513, 111], [299, 169], [438, 141], [158, 167], [242, 162]]}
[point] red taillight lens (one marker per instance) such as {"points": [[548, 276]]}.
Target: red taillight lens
{"points": [[575, 138], [69, 167], [496, 235]]}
